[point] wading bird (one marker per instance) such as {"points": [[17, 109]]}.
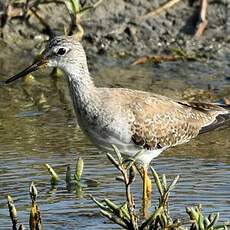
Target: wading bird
{"points": [[130, 119]]}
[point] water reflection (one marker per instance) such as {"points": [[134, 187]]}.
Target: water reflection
{"points": [[32, 134]]}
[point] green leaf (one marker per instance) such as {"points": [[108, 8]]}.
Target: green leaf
{"points": [[54, 176], [116, 150], [214, 221], [99, 204], [33, 192], [172, 185], [79, 169], [157, 181], [113, 161], [164, 182], [68, 175], [73, 6], [152, 217]]}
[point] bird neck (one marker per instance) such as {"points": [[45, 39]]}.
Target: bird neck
{"points": [[83, 91]]}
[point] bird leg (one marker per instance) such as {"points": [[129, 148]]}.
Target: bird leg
{"points": [[147, 184], [147, 191]]}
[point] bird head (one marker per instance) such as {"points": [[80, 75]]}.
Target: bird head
{"points": [[63, 52]]}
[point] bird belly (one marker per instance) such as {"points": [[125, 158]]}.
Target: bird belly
{"points": [[127, 149]]}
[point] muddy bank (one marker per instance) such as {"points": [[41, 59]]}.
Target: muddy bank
{"points": [[116, 36], [117, 27]]}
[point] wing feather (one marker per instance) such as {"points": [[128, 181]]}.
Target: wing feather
{"points": [[162, 122], [157, 122]]}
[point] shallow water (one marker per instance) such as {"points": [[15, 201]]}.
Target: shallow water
{"points": [[37, 126]]}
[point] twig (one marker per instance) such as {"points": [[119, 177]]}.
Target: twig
{"points": [[203, 21], [162, 8], [85, 9], [156, 59], [97, 3], [35, 4], [114, 219], [80, 33], [129, 196], [127, 179], [76, 20], [42, 21], [130, 201]]}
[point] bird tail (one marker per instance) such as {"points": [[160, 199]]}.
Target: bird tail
{"points": [[222, 120], [226, 107]]}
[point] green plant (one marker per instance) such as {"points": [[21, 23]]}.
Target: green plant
{"points": [[126, 216], [35, 214], [76, 11], [54, 177], [25, 8], [35, 221], [75, 182]]}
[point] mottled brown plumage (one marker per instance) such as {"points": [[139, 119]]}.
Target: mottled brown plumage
{"points": [[160, 122]]}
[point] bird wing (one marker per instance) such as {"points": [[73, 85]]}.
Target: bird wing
{"points": [[221, 113], [157, 121]]}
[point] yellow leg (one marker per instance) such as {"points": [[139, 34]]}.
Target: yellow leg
{"points": [[147, 192], [147, 185]]}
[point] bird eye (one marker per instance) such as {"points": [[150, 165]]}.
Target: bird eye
{"points": [[61, 51]]}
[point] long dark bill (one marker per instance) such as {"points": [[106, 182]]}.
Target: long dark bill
{"points": [[28, 70]]}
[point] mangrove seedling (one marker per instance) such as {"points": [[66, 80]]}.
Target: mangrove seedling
{"points": [[75, 182], [35, 221], [79, 169], [127, 217], [13, 212], [54, 177], [35, 215]]}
